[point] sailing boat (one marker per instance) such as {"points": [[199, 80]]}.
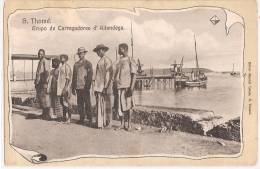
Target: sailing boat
{"points": [[233, 73], [197, 79]]}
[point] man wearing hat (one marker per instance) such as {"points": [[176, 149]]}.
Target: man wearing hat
{"points": [[103, 87], [81, 83]]}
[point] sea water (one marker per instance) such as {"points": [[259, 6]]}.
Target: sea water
{"points": [[223, 95]]}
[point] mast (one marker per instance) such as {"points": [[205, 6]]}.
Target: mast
{"points": [[233, 68], [151, 70], [116, 53], [196, 55], [181, 64], [132, 41]]}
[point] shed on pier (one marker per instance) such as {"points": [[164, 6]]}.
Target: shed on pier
{"points": [[23, 66]]}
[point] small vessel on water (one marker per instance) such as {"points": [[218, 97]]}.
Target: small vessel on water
{"points": [[197, 78], [233, 73], [179, 76], [196, 83], [140, 71]]}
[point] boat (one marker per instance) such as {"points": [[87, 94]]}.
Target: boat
{"points": [[178, 74], [180, 80], [198, 83], [140, 71], [197, 78], [233, 73]]}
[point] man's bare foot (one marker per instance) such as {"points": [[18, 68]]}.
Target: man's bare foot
{"points": [[119, 128], [67, 121], [127, 128], [80, 122], [108, 126]]}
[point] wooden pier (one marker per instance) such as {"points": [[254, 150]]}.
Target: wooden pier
{"points": [[154, 82]]}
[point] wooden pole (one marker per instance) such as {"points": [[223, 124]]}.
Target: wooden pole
{"points": [[13, 68], [181, 63], [197, 63], [116, 53], [24, 70], [132, 41], [32, 69]]}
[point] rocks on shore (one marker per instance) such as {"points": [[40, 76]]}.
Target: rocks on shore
{"points": [[194, 121], [17, 100], [28, 101], [229, 130], [180, 119]]}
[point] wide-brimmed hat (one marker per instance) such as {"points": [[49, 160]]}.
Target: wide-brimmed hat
{"points": [[82, 50], [100, 46]]}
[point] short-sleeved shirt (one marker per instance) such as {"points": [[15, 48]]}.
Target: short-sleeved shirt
{"points": [[82, 75], [103, 72], [64, 74], [124, 68]]}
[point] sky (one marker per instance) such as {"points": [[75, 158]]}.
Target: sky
{"points": [[159, 36]]}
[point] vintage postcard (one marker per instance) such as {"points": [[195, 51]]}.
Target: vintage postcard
{"points": [[130, 82]]}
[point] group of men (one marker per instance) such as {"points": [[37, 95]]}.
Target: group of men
{"points": [[113, 87]]}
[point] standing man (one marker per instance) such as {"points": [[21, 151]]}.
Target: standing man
{"points": [[102, 88], [81, 83], [56, 107], [64, 87], [125, 76], [41, 84]]}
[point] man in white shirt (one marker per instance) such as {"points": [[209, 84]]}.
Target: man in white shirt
{"points": [[103, 87]]}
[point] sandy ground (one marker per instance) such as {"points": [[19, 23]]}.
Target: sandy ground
{"points": [[58, 140]]}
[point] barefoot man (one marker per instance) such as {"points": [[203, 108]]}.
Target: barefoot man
{"points": [[64, 87], [125, 76], [41, 84], [103, 87]]}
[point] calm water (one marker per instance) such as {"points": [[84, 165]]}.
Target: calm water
{"points": [[223, 95]]}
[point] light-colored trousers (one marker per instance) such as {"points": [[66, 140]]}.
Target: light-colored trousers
{"points": [[104, 109], [124, 102]]}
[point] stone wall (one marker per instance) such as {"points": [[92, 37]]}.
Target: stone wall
{"points": [[180, 119], [28, 101], [229, 130]]}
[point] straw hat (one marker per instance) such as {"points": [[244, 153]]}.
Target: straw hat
{"points": [[82, 50], [100, 46]]}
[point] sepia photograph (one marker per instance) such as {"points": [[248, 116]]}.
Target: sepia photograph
{"points": [[115, 83]]}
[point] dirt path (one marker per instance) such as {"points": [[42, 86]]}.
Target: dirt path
{"points": [[57, 140]]}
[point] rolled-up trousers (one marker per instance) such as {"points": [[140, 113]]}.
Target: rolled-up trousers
{"points": [[84, 104]]}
